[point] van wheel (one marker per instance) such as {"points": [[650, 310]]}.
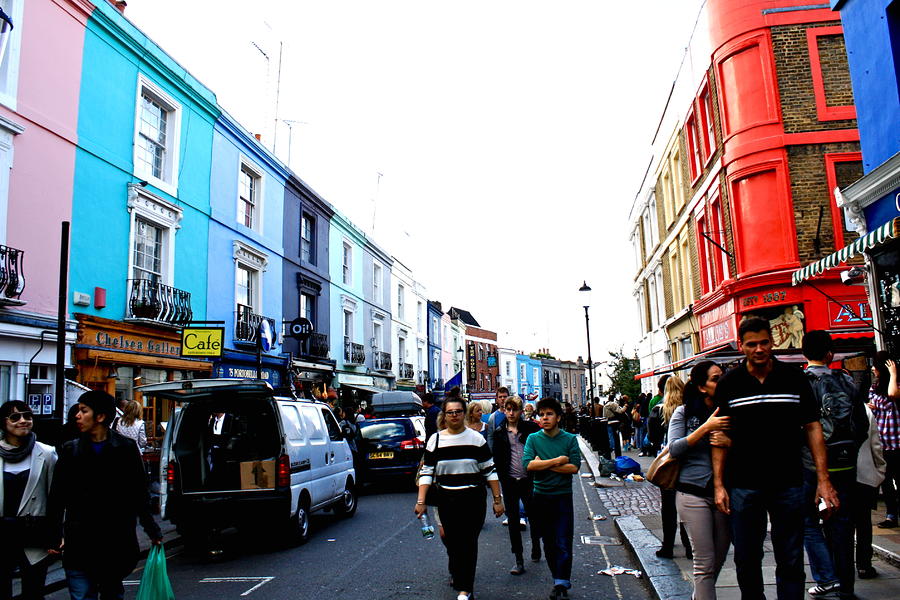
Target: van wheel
{"points": [[346, 505], [300, 524]]}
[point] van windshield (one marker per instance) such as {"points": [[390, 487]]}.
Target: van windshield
{"points": [[227, 442]]}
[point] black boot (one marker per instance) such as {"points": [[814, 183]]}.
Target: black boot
{"points": [[520, 566]]}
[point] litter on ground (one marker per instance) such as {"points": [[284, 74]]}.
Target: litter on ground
{"points": [[617, 570]]}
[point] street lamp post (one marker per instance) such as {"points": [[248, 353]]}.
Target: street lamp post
{"points": [[586, 290]]}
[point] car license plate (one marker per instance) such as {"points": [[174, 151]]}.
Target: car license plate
{"points": [[375, 455]]}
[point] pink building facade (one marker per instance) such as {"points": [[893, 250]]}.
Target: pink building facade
{"points": [[40, 80]]}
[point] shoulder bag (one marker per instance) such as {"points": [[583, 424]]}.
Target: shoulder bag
{"points": [[663, 471], [433, 495]]}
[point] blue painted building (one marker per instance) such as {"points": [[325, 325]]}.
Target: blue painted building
{"points": [[306, 287], [246, 253], [435, 374], [360, 342], [529, 376], [872, 204], [140, 210]]}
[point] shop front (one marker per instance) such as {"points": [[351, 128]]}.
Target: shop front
{"points": [[117, 357], [312, 379], [791, 311], [237, 364]]}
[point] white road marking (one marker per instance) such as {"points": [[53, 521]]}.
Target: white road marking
{"points": [[597, 532], [262, 581]]}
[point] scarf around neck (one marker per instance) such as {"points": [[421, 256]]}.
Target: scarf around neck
{"points": [[15, 454]]}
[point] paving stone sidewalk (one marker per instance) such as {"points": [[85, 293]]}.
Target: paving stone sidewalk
{"points": [[637, 510]]}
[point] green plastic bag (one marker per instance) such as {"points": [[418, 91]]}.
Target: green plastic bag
{"points": [[155, 580]]}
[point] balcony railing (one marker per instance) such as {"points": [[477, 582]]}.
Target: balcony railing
{"points": [[354, 354], [383, 361], [12, 276], [422, 377], [315, 346], [407, 371], [152, 301], [246, 324]]}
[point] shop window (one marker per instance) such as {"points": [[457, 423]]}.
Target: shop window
{"points": [[831, 80], [841, 169], [156, 137]]}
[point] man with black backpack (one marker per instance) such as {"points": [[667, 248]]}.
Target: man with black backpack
{"points": [[829, 543]]}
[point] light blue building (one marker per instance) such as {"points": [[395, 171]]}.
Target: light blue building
{"points": [[529, 376], [140, 209], [246, 254]]}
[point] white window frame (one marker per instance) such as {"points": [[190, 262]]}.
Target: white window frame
{"points": [[9, 85], [654, 224], [420, 318], [401, 302], [259, 206], [347, 262], [8, 131], [348, 310], [161, 213], [304, 217], [377, 281], [377, 338], [169, 182], [250, 258]]}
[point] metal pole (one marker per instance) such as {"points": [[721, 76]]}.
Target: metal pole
{"points": [[258, 354], [587, 327], [61, 321]]}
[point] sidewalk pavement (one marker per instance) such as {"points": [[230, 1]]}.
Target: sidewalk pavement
{"points": [[56, 576], [636, 509]]}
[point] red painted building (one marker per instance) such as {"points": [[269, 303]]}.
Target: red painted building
{"points": [[785, 137]]}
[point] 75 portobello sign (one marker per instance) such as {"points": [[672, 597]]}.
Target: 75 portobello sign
{"points": [[202, 341]]}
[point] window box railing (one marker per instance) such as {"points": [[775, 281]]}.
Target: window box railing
{"points": [[316, 345], [246, 324], [158, 303], [407, 371], [354, 354], [383, 361], [12, 275]]}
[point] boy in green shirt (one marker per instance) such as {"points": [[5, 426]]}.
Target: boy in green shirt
{"points": [[551, 505]]}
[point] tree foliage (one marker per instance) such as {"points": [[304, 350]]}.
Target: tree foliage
{"points": [[623, 372]]}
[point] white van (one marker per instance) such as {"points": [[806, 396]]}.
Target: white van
{"points": [[234, 453]]}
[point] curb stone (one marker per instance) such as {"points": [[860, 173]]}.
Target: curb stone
{"points": [[666, 579]]}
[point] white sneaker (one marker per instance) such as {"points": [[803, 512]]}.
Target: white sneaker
{"points": [[505, 522], [821, 590], [523, 523]]}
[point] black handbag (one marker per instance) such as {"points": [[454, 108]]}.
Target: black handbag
{"points": [[33, 531], [434, 494]]}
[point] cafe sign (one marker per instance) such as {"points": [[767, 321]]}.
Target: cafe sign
{"points": [[202, 341]]}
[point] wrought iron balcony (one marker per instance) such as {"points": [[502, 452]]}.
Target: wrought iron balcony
{"points": [[383, 361], [315, 346], [407, 371], [422, 377], [246, 324], [354, 354], [161, 304], [12, 277]]}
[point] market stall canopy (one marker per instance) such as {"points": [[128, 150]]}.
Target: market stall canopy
{"points": [[889, 230]]}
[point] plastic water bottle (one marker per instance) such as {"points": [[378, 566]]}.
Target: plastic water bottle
{"points": [[427, 527]]}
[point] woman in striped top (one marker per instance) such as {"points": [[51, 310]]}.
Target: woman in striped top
{"points": [[458, 461]]}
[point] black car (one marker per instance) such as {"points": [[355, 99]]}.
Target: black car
{"points": [[390, 447]]}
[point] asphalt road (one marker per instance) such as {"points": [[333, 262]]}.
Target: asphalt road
{"points": [[380, 553]]}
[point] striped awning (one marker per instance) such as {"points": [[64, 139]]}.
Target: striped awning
{"points": [[889, 230]]}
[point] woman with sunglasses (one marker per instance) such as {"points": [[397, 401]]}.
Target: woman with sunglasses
{"points": [[458, 462], [27, 466]]}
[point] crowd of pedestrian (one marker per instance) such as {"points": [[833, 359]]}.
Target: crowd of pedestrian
{"points": [[526, 463], [770, 445]]}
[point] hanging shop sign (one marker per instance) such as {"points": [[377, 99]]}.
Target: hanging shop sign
{"points": [[717, 326], [202, 341], [128, 341], [472, 361]]}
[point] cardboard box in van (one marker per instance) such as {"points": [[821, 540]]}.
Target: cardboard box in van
{"points": [[258, 475]]}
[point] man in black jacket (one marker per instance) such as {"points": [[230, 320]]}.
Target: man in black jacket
{"points": [[516, 482], [100, 486]]}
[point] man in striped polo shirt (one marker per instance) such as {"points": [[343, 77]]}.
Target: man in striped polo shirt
{"points": [[773, 415]]}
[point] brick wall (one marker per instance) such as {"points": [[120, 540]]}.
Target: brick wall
{"points": [[795, 83], [809, 190]]}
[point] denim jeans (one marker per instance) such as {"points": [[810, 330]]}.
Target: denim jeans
{"points": [[82, 586], [829, 545], [639, 433], [749, 510], [554, 516], [615, 446]]}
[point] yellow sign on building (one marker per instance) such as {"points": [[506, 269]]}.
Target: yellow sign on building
{"points": [[202, 341]]}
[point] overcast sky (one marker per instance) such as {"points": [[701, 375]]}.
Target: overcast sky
{"points": [[512, 136]]}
